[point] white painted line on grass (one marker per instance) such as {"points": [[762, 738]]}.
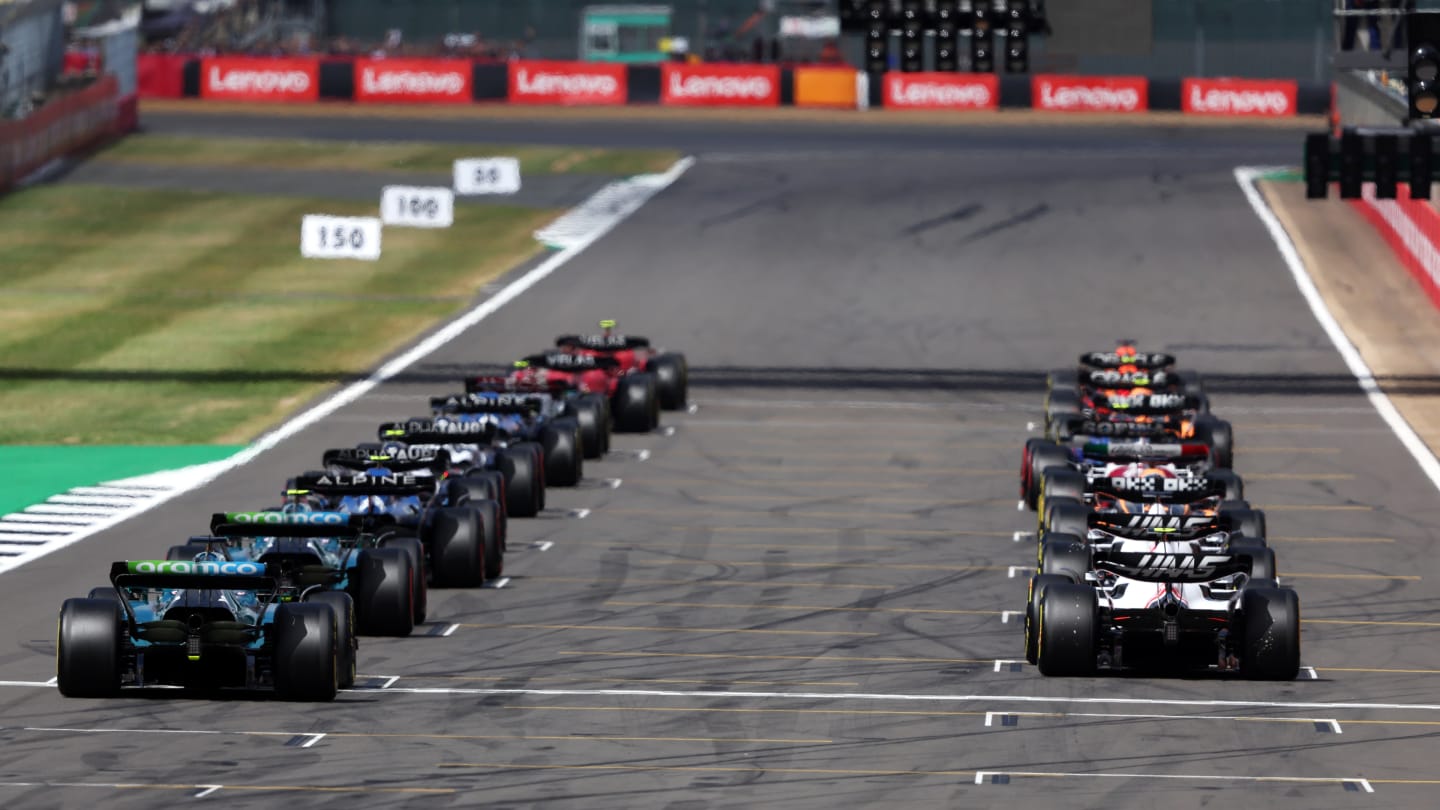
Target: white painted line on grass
{"points": [[649, 184], [1246, 177]]}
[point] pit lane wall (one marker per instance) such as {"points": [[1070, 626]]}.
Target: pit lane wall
{"points": [[457, 81], [72, 123]]}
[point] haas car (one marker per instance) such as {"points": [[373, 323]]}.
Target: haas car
{"points": [[203, 624], [1145, 495], [1190, 598], [1093, 456]]}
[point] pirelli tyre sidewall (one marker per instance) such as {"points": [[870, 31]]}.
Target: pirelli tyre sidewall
{"points": [[494, 549], [1038, 584], [1043, 455], [1270, 630], [456, 538], [671, 380], [636, 404], [382, 585], [560, 441], [1065, 515], [87, 648], [593, 417], [1060, 402], [346, 643], [522, 481], [1218, 434], [306, 650], [1069, 630], [1062, 555]]}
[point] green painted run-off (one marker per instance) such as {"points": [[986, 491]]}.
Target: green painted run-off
{"points": [[34, 472]]}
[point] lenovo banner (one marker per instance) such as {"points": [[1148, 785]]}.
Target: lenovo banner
{"points": [[942, 91], [1090, 93], [402, 80], [720, 85], [1238, 96], [567, 83], [245, 79]]}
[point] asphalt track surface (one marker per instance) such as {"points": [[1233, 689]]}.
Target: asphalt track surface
{"points": [[831, 534]]}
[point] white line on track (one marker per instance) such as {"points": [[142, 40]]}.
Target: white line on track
{"points": [[207, 791], [613, 483], [1020, 506], [873, 697], [1329, 722], [647, 186], [1001, 664], [1014, 568], [1314, 676], [578, 514], [1246, 177], [543, 545], [1021, 536], [314, 738], [1341, 781], [1006, 614]]}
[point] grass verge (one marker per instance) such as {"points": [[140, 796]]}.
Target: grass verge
{"points": [[176, 150], [163, 317]]}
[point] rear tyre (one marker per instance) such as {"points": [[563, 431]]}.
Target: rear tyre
{"points": [[490, 533], [1190, 382], [456, 538], [1069, 620], [1262, 558], [306, 644], [87, 653], [522, 481], [1234, 486], [346, 644], [1270, 629], [1038, 584], [1066, 515], [593, 416], [1066, 559], [1249, 522], [1218, 435], [1060, 401], [383, 589], [1061, 483], [560, 441], [671, 380], [419, 579], [1040, 456], [636, 404]]}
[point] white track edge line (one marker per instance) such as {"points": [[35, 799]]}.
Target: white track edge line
{"points": [[1246, 176], [354, 391]]}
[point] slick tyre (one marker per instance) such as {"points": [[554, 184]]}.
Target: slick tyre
{"points": [[1063, 558], [495, 492], [494, 548], [1270, 631], [592, 413], [1262, 558], [1065, 515], [414, 551], [346, 644], [1040, 455], [1234, 486], [1068, 632], [1060, 401], [87, 651], [564, 459], [1218, 434], [1038, 584], [456, 537], [523, 481], [306, 649], [1062, 483], [383, 587], [1190, 383], [1249, 522], [636, 404], [671, 380]]}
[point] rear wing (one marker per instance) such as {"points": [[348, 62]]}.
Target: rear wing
{"points": [[565, 361], [1080, 426], [1165, 527], [185, 574], [1114, 378], [1142, 360], [294, 524], [425, 431], [603, 342], [506, 403], [1174, 567], [362, 484], [1104, 449], [475, 385], [1181, 489], [355, 458], [1148, 404]]}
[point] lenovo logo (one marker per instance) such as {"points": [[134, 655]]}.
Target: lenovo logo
{"points": [[1086, 95], [725, 87], [1239, 97], [268, 82], [541, 83], [408, 83]]}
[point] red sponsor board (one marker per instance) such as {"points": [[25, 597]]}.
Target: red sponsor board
{"points": [[1090, 93], [401, 80], [246, 79], [62, 126], [720, 85], [1238, 97], [567, 83], [941, 91]]}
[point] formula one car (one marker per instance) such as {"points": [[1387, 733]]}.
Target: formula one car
{"points": [[475, 455], [333, 551], [460, 534], [529, 417], [202, 624], [1141, 494], [1092, 456], [591, 411], [634, 353], [633, 395], [1197, 598]]}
